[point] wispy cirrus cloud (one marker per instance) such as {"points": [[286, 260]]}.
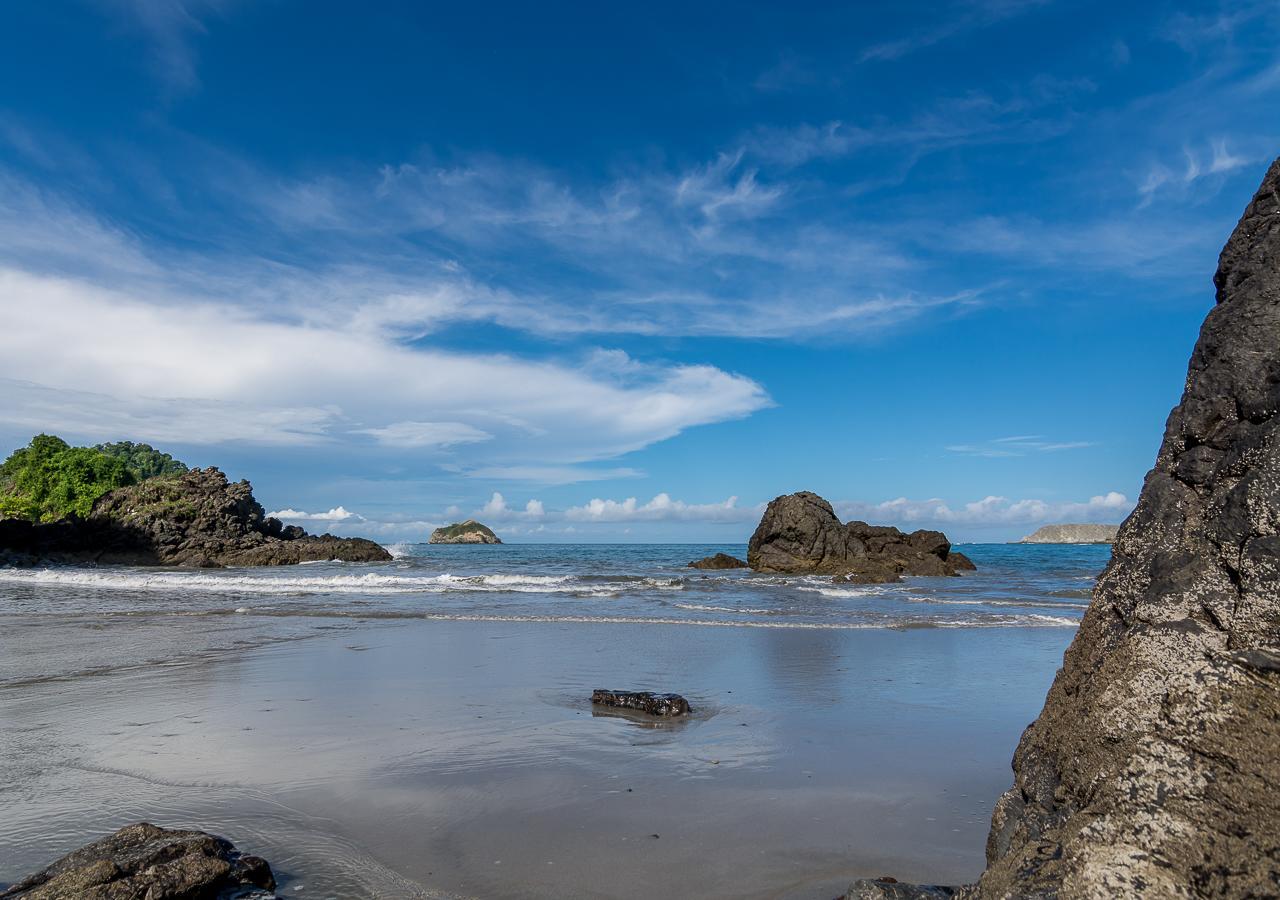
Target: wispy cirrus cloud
{"points": [[966, 16], [169, 27], [1197, 163], [1017, 445]]}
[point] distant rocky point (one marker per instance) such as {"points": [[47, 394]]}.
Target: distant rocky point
{"points": [[800, 534], [1072, 534], [197, 518], [468, 532]]}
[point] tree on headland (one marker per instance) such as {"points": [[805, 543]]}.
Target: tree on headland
{"points": [[49, 479], [143, 460]]}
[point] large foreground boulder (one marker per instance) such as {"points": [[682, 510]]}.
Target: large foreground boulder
{"points": [[1153, 770], [145, 862], [197, 518], [800, 534]]}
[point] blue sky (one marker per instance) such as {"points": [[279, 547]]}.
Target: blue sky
{"points": [[608, 272]]}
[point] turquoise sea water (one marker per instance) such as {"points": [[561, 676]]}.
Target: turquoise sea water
{"points": [[1021, 585]]}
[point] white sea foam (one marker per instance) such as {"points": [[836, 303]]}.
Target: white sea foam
{"points": [[706, 607], [845, 592], [366, 583], [1024, 621]]}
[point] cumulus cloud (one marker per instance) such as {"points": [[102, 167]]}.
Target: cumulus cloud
{"points": [[660, 509], [497, 509], [989, 511], [337, 514]]}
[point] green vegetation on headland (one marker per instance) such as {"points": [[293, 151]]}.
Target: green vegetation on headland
{"points": [[48, 479]]}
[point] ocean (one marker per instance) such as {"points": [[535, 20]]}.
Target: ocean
{"points": [[421, 727]]}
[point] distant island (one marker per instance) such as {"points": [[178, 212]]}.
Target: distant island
{"points": [[1072, 534], [468, 532]]}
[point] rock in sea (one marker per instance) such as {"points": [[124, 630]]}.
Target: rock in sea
{"points": [[1153, 770], [197, 518], [719, 561], [644, 701], [468, 532], [145, 862], [800, 534]]}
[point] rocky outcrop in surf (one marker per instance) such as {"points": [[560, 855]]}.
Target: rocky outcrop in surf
{"points": [[1072, 534], [197, 518], [1152, 770], [643, 701], [800, 534], [142, 862], [718, 561], [468, 532]]}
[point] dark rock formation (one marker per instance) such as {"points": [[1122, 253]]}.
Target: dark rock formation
{"points": [[1072, 534], [1153, 769], [468, 532], [801, 535], [197, 518], [144, 862], [644, 701], [888, 888], [719, 561]]}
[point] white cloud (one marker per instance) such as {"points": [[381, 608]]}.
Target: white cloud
{"points": [[497, 509], [496, 505], [1198, 163], [971, 15], [112, 363], [168, 26], [552, 475], [1018, 445], [426, 434], [660, 509], [990, 511], [337, 514], [603, 516]]}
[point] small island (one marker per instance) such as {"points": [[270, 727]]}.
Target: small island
{"points": [[1072, 534], [468, 532]]}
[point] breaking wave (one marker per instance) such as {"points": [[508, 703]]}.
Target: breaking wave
{"points": [[367, 583]]}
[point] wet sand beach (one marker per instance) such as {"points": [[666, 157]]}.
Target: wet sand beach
{"points": [[393, 756]]}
